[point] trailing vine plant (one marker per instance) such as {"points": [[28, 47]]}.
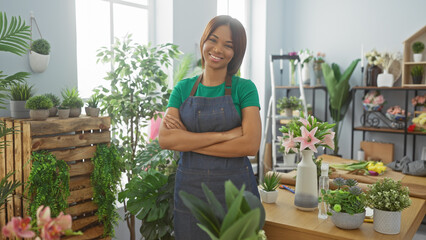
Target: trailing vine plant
{"points": [[48, 183], [105, 180]]}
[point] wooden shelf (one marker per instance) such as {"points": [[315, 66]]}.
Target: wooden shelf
{"points": [[415, 63], [387, 130], [406, 87], [297, 87]]}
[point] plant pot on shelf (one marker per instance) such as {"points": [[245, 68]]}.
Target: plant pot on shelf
{"points": [[94, 112], [417, 79], [417, 57], [38, 62], [63, 113], [288, 112], [18, 110], [39, 114], [290, 159], [268, 197], [385, 79], [346, 221], [53, 111], [372, 107], [387, 222], [87, 110], [75, 112]]}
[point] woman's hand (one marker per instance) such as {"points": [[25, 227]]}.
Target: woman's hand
{"points": [[172, 122]]}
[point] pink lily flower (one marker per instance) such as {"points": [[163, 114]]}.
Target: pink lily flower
{"points": [[64, 221], [18, 227], [43, 215], [56, 227], [328, 139], [308, 139], [289, 143]]}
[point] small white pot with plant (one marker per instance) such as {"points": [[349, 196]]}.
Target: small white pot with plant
{"points": [[56, 102], [19, 94], [39, 55], [39, 107], [73, 101], [269, 193], [418, 48], [92, 108], [286, 105], [388, 198], [346, 203], [386, 79]]}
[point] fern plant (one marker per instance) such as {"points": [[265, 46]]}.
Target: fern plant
{"points": [[6, 188]]}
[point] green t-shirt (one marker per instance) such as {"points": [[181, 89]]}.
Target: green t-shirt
{"points": [[244, 92]]}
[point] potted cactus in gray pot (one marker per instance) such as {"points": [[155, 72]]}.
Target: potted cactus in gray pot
{"points": [[92, 108], [73, 101], [39, 107], [63, 112], [19, 94], [56, 102], [39, 55]]}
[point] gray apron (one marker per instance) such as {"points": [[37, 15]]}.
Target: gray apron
{"points": [[203, 114]]}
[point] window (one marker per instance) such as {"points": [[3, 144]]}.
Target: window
{"points": [[237, 9], [98, 22]]}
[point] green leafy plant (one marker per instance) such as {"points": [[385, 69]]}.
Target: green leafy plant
{"points": [[48, 183], [6, 188], [417, 71], [271, 181], [41, 46], [105, 179], [418, 47], [186, 68], [21, 92], [243, 220], [38, 102], [388, 195], [340, 95], [289, 102], [138, 93], [93, 101], [347, 198], [150, 196], [55, 99], [71, 98]]}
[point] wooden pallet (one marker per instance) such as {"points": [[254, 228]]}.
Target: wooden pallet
{"points": [[73, 140]]}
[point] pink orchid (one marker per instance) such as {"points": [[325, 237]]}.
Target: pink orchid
{"points": [[308, 139], [289, 143], [43, 215], [56, 227], [18, 227], [329, 139]]}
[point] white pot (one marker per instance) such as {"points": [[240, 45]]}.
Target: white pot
{"points": [[347, 221], [387, 222], [268, 197], [306, 74], [38, 62], [290, 159], [417, 57], [385, 79]]}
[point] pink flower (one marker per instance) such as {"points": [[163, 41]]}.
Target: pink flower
{"points": [[43, 215], [329, 139], [18, 227], [56, 227], [64, 221], [289, 143], [308, 139], [379, 100], [306, 122]]}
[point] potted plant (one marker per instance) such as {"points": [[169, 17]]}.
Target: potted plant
{"points": [[63, 112], [39, 55], [19, 94], [92, 108], [56, 102], [340, 95], [73, 101], [269, 193], [39, 107], [418, 48], [417, 74], [346, 203], [373, 101], [388, 198], [288, 104]]}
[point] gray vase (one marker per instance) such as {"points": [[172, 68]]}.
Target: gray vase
{"points": [[53, 111], [94, 112], [39, 115], [63, 113], [75, 112], [347, 221], [18, 110]]}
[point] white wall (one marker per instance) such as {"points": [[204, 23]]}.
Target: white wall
{"points": [[56, 20]]}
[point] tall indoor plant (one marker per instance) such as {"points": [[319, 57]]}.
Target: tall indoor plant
{"points": [[340, 95], [137, 93]]}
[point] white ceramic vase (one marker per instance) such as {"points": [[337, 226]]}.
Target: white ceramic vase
{"points": [[385, 79], [38, 62], [387, 222], [306, 194], [268, 197], [306, 74], [417, 57]]}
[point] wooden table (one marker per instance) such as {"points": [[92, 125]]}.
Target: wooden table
{"points": [[284, 221]]}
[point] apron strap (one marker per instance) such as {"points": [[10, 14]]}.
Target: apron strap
{"points": [[228, 85]]}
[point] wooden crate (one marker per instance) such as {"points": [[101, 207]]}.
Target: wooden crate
{"points": [[73, 140]]}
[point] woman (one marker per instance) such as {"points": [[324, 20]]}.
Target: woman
{"points": [[214, 120]]}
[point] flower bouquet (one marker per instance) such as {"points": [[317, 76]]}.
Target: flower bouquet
{"points": [[373, 101], [396, 113], [374, 57], [419, 101]]}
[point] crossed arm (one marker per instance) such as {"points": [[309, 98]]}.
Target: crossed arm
{"points": [[238, 142]]}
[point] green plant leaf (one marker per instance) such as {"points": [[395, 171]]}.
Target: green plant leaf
{"points": [[214, 203], [233, 212], [243, 228]]}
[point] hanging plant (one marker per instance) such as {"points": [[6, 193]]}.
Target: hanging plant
{"points": [[48, 183], [105, 179], [40, 52]]}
